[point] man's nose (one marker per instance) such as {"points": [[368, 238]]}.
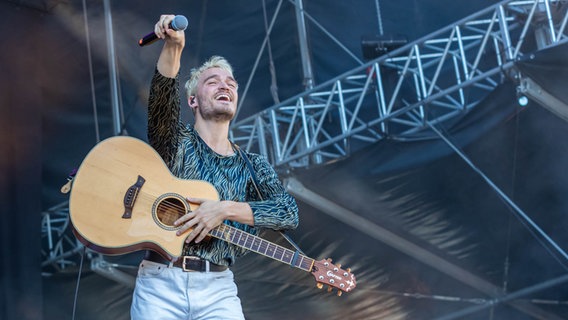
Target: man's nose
{"points": [[223, 85]]}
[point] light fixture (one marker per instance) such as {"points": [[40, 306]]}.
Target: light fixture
{"points": [[530, 89], [374, 46], [523, 100]]}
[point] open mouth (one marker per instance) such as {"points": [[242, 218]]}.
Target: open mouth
{"points": [[223, 97]]}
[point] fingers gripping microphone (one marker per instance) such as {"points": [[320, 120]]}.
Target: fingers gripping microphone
{"points": [[178, 23]]}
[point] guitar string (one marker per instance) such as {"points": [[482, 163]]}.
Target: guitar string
{"points": [[179, 210]]}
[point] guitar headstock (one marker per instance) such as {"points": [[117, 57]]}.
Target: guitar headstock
{"points": [[326, 272]]}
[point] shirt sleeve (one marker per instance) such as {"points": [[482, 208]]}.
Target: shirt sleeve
{"points": [[277, 209], [164, 116]]}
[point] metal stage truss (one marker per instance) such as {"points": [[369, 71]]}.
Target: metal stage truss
{"points": [[397, 95], [433, 79]]}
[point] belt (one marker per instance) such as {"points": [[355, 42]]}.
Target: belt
{"points": [[186, 263]]}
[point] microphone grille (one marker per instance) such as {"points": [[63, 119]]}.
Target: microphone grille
{"points": [[179, 23]]}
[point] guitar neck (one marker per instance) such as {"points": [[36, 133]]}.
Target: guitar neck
{"points": [[266, 248]]}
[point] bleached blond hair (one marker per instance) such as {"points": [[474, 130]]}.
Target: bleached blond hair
{"points": [[213, 62]]}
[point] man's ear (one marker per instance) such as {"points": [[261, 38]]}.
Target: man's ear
{"points": [[192, 104]]}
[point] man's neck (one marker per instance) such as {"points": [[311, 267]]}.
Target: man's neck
{"points": [[215, 135]]}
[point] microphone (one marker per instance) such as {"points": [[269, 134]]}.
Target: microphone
{"points": [[179, 23]]}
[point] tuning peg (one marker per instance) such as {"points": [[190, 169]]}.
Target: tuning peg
{"points": [[349, 270], [339, 292], [319, 285], [329, 289], [338, 265]]}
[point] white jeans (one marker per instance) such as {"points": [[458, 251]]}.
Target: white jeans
{"points": [[163, 293]]}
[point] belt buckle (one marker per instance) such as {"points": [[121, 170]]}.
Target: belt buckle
{"points": [[185, 259]]}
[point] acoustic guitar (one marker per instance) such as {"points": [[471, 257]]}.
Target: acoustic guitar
{"points": [[125, 199]]}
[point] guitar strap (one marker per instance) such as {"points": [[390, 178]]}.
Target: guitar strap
{"points": [[255, 185]]}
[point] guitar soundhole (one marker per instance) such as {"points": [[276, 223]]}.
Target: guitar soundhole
{"points": [[169, 210]]}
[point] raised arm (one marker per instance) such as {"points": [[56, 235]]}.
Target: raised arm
{"points": [[164, 98], [174, 41]]}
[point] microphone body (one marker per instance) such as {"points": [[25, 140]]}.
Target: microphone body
{"points": [[178, 23]]}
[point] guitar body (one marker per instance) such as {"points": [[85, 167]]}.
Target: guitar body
{"points": [[125, 199]]}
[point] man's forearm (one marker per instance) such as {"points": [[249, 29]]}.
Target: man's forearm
{"points": [[170, 59], [240, 212]]}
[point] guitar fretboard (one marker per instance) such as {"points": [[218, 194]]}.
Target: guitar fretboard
{"points": [[261, 246]]}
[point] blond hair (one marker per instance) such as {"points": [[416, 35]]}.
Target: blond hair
{"points": [[213, 62]]}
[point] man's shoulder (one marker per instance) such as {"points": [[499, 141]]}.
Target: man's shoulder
{"points": [[255, 157]]}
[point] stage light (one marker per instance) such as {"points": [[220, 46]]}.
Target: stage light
{"points": [[522, 97], [540, 96], [376, 46], [523, 100]]}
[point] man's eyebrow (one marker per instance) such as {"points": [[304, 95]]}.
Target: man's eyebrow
{"points": [[218, 77]]}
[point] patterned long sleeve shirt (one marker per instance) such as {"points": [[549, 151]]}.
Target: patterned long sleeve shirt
{"points": [[189, 157]]}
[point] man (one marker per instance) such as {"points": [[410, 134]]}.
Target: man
{"points": [[204, 152]]}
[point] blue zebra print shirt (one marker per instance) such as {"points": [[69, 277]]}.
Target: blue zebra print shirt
{"points": [[189, 157]]}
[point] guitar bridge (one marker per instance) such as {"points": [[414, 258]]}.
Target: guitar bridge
{"points": [[130, 197]]}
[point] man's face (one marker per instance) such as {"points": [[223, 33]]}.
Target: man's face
{"points": [[217, 96]]}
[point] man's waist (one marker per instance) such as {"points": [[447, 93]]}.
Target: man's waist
{"points": [[186, 263]]}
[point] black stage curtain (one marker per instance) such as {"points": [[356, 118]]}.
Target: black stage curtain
{"points": [[20, 165]]}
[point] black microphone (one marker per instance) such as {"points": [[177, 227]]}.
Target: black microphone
{"points": [[178, 23]]}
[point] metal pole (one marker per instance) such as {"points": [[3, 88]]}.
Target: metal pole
{"points": [[116, 114], [304, 49]]}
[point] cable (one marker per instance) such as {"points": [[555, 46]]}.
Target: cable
{"points": [[507, 261], [273, 83], [526, 220], [78, 282], [93, 96], [379, 18], [257, 61]]}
